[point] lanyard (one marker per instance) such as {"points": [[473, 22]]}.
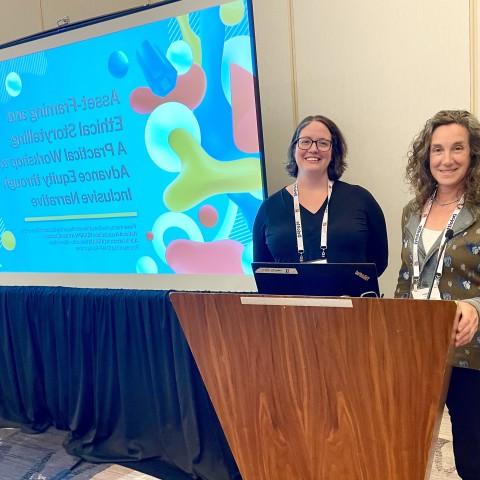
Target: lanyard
{"points": [[418, 234], [298, 224]]}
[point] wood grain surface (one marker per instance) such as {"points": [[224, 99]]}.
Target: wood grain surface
{"points": [[311, 393]]}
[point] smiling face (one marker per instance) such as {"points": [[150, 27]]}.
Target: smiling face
{"points": [[450, 156], [313, 161]]}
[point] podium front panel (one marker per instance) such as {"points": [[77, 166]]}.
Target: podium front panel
{"points": [[348, 391]]}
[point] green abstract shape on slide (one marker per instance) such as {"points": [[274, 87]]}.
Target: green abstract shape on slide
{"points": [[8, 240], [191, 38], [202, 176], [232, 13]]}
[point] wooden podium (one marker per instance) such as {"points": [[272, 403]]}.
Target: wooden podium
{"points": [[309, 388]]}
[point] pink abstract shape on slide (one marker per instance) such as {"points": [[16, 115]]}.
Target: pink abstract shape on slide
{"points": [[208, 216], [190, 90], [219, 257], [245, 131]]}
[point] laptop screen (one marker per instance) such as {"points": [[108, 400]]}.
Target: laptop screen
{"points": [[317, 279]]}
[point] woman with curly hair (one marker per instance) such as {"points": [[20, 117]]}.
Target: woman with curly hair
{"points": [[319, 218], [441, 226]]}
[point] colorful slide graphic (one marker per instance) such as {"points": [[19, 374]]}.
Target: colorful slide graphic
{"points": [[133, 152]]}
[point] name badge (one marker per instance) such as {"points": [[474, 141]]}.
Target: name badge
{"points": [[422, 293]]}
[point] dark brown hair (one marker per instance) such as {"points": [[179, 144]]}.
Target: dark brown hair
{"points": [[418, 173], [339, 147]]}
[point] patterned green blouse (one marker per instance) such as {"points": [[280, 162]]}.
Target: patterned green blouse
{"points": [[461, 270]]}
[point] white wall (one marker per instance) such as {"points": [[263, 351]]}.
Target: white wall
{"points": [[276, 81], [379, 68]]}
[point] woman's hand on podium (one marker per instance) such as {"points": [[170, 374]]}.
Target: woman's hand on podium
{"points": [[466, 319]]}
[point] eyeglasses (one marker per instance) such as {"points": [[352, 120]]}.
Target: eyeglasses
{"points": [[323, 145]]}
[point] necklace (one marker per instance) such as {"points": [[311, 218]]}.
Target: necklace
{"points": [[446, 203]]}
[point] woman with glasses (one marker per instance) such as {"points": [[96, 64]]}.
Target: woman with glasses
{"points": [[319, 218], [441, 258]]}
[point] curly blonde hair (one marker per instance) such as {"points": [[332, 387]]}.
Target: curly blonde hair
{"points": [[418, 173]]}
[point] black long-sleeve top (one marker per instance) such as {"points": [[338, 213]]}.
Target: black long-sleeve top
{"points": [[356, 228]]}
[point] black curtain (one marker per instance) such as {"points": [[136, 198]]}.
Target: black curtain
{"points": [[113, 368]]}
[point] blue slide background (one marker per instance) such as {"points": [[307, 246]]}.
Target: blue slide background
{"points": [[120, 222]]}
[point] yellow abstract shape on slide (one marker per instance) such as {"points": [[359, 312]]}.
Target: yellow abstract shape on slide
{"points": [[191, 38], [202, 176], [232, 13], [8, 240]]}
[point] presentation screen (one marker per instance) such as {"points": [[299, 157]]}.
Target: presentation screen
{"points": [[132, 146]]}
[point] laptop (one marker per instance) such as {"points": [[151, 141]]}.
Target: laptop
{"points": [[317, 279]]}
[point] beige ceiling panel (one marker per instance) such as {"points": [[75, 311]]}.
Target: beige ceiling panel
{"points": [[56, 12], [20, 19]]}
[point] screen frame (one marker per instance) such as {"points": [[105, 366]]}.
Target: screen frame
{"points": [[94, 27]]}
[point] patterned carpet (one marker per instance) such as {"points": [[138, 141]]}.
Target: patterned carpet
{"points": [[443, 467], [39, 457], [42, 457]]}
